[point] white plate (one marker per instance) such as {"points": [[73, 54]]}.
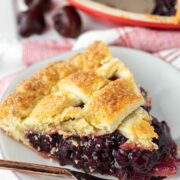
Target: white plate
{"points": [[160, 79]]}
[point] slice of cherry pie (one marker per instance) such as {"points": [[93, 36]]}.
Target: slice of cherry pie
{"points": [[89, 112]]}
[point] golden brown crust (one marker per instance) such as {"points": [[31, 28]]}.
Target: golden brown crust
{"points": [[92, 58], [109, 106], [82, 84], [74, 96], [52, 105], [137, 129], [30, 91], [177, 16]]}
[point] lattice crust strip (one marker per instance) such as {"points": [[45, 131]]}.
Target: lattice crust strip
{"points": [[89, 94]]}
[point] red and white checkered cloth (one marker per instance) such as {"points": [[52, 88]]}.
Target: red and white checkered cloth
{"points": [[17, 56]]}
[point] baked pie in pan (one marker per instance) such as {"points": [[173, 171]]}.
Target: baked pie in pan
{"points": [[163, 14], [89, 112]]}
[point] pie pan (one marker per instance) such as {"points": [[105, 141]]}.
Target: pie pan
{"points": [[113, 13]]}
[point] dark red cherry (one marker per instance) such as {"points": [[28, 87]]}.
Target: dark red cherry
{"points": [[40, 6], [68, 22], [28, 2], [29, 24]]}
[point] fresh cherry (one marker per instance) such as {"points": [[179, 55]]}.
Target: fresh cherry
{"points": [[39, 6], [68, 22], [28, 2], [29, 24]]}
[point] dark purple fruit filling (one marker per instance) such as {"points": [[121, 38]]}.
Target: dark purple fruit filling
{"points": [[105, 154], [165, 7], [148, 104]]}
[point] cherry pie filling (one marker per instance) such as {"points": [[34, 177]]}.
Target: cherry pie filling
{"points": [[110, 154], [165, 7]]}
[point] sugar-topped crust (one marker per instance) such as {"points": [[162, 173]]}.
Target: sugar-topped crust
{"points": [[108, 107], [83, 84], [89, 94], [30, 91], [136, 127]]}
